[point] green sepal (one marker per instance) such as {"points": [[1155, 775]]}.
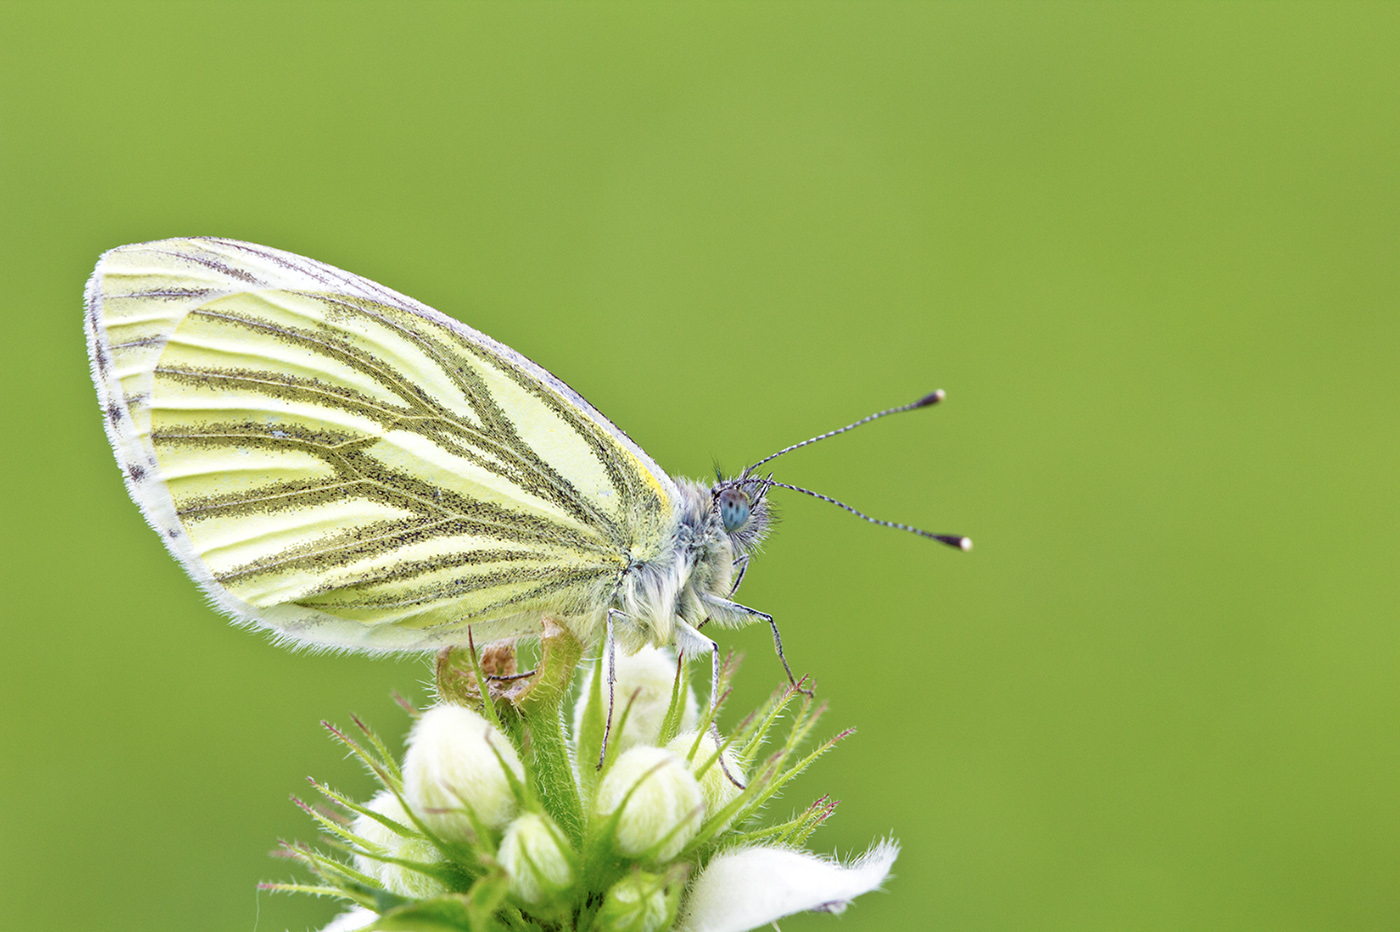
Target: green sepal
{"points": [[308, 889], [793, 832], [560, 653], [440, 914], [460, 676], [382, 752], [473, 911], [752, 734], [485, 897], [764, 785], [614, 748], [386, 771], [546, 753], [631, 912], [453, 681], [588, 743], [385, 902], [675, 711], [349, 804]]}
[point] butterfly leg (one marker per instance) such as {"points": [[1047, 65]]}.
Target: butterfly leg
{"points": [[742, 565], [610, 649], [726, 607], [510, 677], [688, 640]]}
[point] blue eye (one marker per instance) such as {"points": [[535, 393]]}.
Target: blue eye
{"points": [[733, 509]]}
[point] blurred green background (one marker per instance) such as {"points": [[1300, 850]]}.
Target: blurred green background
{"points": [[1149, 250]]}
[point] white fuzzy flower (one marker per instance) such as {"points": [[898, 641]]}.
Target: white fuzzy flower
{"points": [[718, 790], [356, 918], [397, 879], [534, 856], [605, 851], [748, 888], [664, 808], [649, 675], [454, 764]]}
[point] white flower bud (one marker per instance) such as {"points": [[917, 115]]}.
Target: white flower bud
{"points": [[664, 809], [378, 836], [453, 765], [534, 855], [397, 879], [718, 790], [407, 882], [650, 676], [636, 903]]}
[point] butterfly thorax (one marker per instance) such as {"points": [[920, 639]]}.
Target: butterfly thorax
{"points": [[693, 571]]}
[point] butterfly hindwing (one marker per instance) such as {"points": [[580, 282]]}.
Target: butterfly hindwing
{"points": [[349, 467]]}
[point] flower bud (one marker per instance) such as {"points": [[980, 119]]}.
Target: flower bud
{"points": [[664, 808], [718, 790], [453, 766], [397, 879], [379, 837], [644, 684], [535, 857], [638, 902]]}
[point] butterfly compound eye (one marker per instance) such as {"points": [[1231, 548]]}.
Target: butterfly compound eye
{"points": [[733, 509]]}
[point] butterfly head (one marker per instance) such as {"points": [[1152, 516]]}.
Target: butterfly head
{"points": [[734, 508], [740, 506]]}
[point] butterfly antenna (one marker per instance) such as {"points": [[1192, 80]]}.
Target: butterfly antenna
{"points": [[923, 402], [952, 540]]}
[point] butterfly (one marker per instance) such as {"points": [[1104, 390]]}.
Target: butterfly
{"points": [[336, 462]]}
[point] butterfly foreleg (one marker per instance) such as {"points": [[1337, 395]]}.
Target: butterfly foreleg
{"points": [[732, 609], [741, 566]]}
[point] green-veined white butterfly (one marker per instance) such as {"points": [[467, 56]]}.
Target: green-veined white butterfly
{"points": [[338, 463]]}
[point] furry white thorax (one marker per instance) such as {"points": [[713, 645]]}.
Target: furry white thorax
{"points": [[692, 577]]}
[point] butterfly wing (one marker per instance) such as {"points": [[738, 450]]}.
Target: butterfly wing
{"points": [[339, 463]]}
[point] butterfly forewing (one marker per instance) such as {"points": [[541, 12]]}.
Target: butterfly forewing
{"points": [[340, 463]]}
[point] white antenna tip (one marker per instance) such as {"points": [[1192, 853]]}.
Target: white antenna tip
{"points": [[932, 399], [965, 543]]}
